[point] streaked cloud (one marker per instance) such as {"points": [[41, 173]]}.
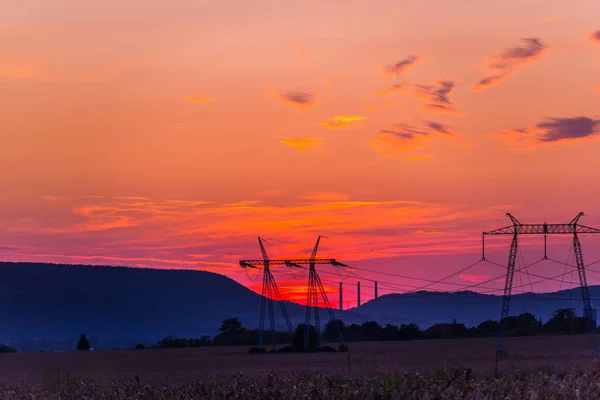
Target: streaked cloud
{"points": [[56, 198], [204, 99], [550, 19], [401, 66], [555, 129], [302, 144], [474, 278], [549, 130], [164, 234], [595, 37], [407, 139], [343, 121], [505, 64], [326, 196], [296, 99], [435, 96]]}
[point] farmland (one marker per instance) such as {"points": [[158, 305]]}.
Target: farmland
{"points": [[220, 372]]}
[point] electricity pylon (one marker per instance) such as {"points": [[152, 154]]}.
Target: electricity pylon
{"points": [[518, 228], [269, 290], [315, 286]]}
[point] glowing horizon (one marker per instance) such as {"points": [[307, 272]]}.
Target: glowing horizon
{"points": [[172, 135]]}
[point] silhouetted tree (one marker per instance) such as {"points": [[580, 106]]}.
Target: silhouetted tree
{"points": [[487, 328], [525, 324], [371, 331], [390, 332], [83, 344], [4, 348], [298, 339], [231, 327], [410, 331], [330, 333], [565, 321]]}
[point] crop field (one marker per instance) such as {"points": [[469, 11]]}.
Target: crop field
{"points": [[535, 367]]}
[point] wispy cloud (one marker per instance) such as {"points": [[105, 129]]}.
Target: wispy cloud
{"points": [[502, 65], [205, 99], [595, 37], [473, 278], [326, 196], [164, 234], [435, 96], [555, 129], [549, 130], [296, 99], [56, 198], [302, 144], [406, 139], [401, 66], [343, 121]]}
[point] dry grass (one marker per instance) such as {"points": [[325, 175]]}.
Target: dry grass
{"points": [[379, 370]]}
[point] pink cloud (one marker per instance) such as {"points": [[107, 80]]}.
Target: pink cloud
{"points": [[505, 64], [473, 278], [401, 66], [550, 131]]}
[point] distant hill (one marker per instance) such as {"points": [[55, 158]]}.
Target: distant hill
{"points": [[131, 305], [471, 308], [57, 301]]}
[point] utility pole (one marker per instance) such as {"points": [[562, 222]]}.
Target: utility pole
{"points": [[341, 298], [375, 289], [358, 295]]}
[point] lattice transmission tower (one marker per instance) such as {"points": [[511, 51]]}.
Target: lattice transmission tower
{"points": [[315, 288], [313, 277], [269, 291], [572, 228]]}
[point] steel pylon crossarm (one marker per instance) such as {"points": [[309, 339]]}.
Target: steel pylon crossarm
{"points": [[572, 228], [538, 229], [290, 262]]}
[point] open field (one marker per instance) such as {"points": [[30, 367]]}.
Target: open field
{"points": [[200, 369]]}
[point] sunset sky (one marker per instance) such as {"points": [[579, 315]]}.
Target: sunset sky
{"points": [[171, 134]]}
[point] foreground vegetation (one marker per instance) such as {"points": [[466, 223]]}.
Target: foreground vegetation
{"points": [[536, 367], [447, 383]]}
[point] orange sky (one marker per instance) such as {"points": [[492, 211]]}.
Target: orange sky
{"points": [[172, 134]]}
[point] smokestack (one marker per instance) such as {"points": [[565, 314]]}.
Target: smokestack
{"points": [[375, 289], [341, 304], [358, 296]]}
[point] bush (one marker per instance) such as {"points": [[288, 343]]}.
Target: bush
{"points": [[343, 348], [257, 350], [83, 344], [298, 339], [4, 348], [140, 346]]}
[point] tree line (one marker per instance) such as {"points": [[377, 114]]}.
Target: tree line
{"points": [[232, 332]]}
